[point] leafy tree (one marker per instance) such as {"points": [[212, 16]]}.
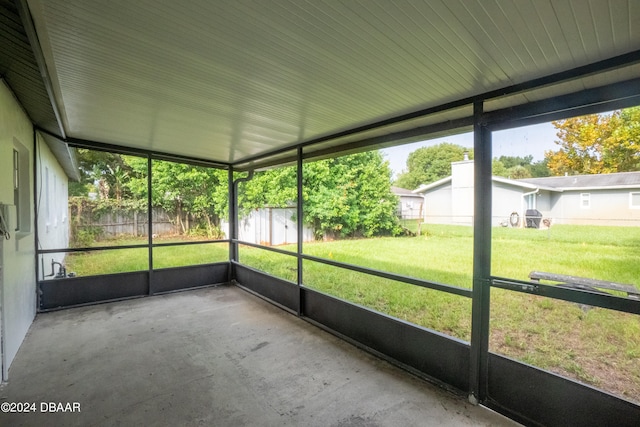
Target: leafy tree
{"points": [[350, 195], [498, 168], [597, 144], [622, 148], [514, 172], [346, 196], [516, 167], [119, 178], [511, 161], [429, 164], [272, 188], [94, 166], [518, 172], [189, 192], [540, 169]]}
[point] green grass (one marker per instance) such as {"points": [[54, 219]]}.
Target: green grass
{"points": [[597, 346], [279, 265], [411, 225], [126, 260], [605, 253]]}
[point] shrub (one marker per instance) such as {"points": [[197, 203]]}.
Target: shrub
{"points": [[85, 236]]}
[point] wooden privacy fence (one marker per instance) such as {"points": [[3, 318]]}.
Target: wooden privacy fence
{"points": [[113, 223]]}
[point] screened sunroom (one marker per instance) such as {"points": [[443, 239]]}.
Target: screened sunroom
{"points": [[238, 153]]}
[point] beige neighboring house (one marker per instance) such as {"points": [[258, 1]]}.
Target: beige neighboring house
{"points": [[606, 199]]}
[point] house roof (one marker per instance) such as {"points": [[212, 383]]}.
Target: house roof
{"points": [[403, 192], [227, 81], [559, 183], [583, 182], [65, 155], [514, 182], [426, 187], [517, 183]]}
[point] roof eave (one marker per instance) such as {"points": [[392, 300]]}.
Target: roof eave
{"points": [[435, 184], [606, 187]]}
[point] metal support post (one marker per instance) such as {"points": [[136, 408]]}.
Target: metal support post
{"points": [[481, 258], [300, 225], [233, 212], [233, 249], [150, 222]]}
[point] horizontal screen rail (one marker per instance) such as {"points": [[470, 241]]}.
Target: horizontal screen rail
{"points": [[91, 249], [115, 247], [464, 292], [198, 242], [594, 299], [268, 248]]}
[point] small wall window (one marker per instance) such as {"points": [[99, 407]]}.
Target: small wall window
{"points": [[585, 200], [634, 200]]}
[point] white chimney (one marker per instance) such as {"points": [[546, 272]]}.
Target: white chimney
{"points": [[462, 190], [462, 174]]}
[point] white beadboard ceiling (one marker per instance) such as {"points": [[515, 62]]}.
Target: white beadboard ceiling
{"points": [[228, 80]]}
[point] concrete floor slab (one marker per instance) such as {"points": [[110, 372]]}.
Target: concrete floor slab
{"points": [[218, 357]]}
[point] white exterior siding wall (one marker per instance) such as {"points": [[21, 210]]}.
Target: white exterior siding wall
{"points": [[506, 200], [437, 205], [53, 224], [17, 255], [556, 208], [606, 207], [544, 200], [52, 200]]}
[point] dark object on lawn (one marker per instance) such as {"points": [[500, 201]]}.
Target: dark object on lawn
{"points": [[533, 218], [514, 219]]}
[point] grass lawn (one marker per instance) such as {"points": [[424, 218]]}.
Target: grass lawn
{"points": [[125, 260], [596, 346]]}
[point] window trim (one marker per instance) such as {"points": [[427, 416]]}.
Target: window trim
{"points": [[585, 197]]}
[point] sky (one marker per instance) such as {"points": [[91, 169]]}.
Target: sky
{"points": [[528, 140]]}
